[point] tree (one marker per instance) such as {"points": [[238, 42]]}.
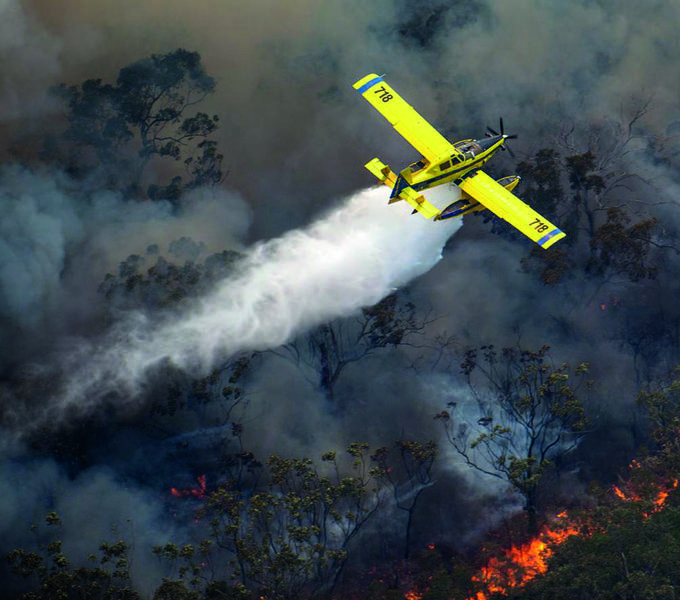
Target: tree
{"points": [[51, 574], [421, 22], [602, 237], [409, 477], [165, 284], [542, 177], [662, 406], [148, 106], [629, 545], [530, 416], [330, 348], [620, 248], [614, 245], [187, 579], [622, 555], [290, 539], [588, 183]]}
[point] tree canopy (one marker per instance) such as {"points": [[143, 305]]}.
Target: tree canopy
{"points": [[149, 112]]}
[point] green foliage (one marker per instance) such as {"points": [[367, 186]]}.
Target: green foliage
{"points": [[530, 416], [580, 169], [629, 546], [290, 538], [165, 285], [286, 539], [148, 107], [50, 574], [612, 245], [662, 407], [430, 574], [388, 322], [187, 563], [551, 266], [625, 553], [543, 190]]}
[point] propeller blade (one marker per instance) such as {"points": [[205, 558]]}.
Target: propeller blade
{"points": [[510, 151], [492, 131], [502, 130], [512, 136]]}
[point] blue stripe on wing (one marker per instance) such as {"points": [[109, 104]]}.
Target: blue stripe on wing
{"points": [[369, 84], [548, 236]]}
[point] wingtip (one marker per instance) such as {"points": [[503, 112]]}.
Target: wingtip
{"points": [[364, 80], [554, 239]]}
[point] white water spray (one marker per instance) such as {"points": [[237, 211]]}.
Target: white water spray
{"points": [[350, 258]]}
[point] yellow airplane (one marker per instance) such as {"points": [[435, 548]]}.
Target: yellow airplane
{"points": [[444, 162]]}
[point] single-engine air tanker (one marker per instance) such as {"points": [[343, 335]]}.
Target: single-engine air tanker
{"points": [[444, 162]]}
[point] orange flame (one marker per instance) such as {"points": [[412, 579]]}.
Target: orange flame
{"points": [[663, 494], [520, 563], [617, 490], [196, 492], [631, 495]]}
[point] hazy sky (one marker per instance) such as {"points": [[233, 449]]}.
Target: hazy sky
{"points": [[285, 69]]}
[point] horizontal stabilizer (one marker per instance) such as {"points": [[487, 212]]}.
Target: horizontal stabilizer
{"points": [[383, 173], [418, 202]]}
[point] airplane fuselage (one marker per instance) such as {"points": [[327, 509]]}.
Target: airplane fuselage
{"points": [[472, 155]]}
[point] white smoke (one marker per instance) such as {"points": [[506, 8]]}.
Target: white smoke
{"points": [[29, 62], [352, 257]]}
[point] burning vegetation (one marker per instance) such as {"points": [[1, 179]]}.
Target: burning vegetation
{"points": [[520, 564], [507, 571], [512, 569]]}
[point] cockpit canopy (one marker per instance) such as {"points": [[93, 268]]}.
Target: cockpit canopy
{"points": [[469, 148]]}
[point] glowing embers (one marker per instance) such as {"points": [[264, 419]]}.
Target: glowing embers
{"points": [[196, 492], [521, 563]]}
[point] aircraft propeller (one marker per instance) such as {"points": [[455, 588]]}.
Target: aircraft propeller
{"points": [[490, 132]]}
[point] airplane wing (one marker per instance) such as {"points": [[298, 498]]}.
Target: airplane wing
{"points": [[510, 208], [417, 131]]}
